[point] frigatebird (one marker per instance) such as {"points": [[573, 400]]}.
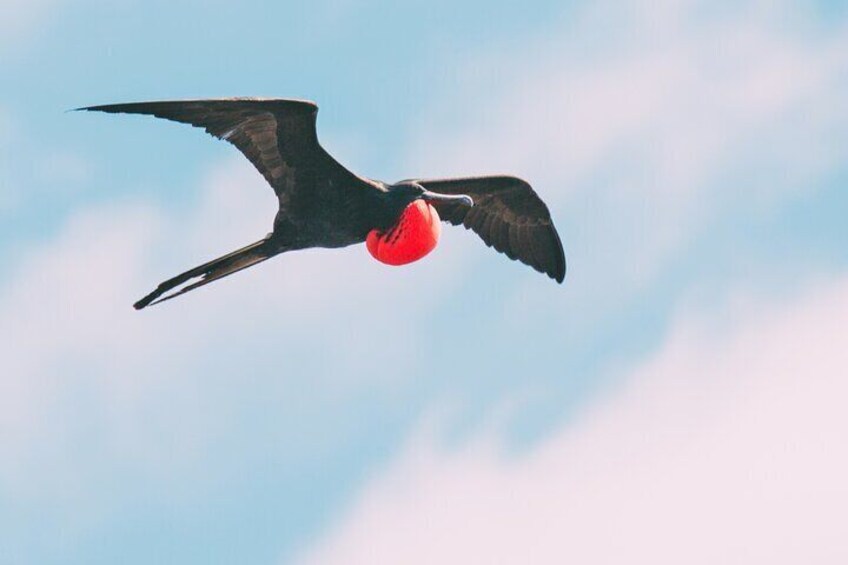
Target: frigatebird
{"points": [[323, 204]]}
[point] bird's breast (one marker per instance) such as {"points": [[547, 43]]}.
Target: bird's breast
{"points": [[414, 235]]}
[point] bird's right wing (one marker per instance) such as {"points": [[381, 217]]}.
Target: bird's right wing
{"points": [[507, 215], [278, 136]]}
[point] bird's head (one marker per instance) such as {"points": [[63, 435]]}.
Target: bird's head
{"points": [[408, 191], [416, 228]]}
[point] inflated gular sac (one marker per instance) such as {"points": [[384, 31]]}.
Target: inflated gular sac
{"points": [[414, 236]]}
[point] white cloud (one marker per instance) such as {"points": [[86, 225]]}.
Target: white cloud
{"points": [[727, 447], [70, 335]]}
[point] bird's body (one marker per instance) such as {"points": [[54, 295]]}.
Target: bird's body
{"points": [[323, 204]]}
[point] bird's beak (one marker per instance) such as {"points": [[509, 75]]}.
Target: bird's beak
{"points": [[463, 199]]}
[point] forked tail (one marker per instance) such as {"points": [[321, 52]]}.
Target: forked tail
{"points": [[211, 271]]}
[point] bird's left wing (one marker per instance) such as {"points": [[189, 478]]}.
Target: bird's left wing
{"points": [[507, 215], [277, 135]]}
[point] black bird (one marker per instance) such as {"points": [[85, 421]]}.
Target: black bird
{"points": [[322, 204]]}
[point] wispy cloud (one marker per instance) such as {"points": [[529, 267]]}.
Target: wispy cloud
{"points": [[663, 114], [725, 447], [68, 327], [19, 19]]}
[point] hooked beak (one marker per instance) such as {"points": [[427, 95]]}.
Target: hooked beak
{"points": [[463, 199]]}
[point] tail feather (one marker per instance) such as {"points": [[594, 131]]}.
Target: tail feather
{"points": [[208, 272]]}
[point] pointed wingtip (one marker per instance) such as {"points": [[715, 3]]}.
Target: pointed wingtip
{"points": [[88, 109], [96, 108], [561, 275], [555, 276]]}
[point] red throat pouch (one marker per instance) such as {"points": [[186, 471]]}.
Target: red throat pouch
{"points": [[414, 236]]}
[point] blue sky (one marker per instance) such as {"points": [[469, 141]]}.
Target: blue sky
{"points": [[324, 408]]}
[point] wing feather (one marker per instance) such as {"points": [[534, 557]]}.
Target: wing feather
{"points": [[507, 215], [277, 135]]}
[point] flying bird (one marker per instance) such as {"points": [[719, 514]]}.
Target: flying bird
{"points": [[323, 204]]}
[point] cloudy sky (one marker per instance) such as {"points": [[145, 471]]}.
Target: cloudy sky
{"points": [[679, 399]]}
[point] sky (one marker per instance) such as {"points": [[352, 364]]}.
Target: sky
{"points": [[677, 399]]}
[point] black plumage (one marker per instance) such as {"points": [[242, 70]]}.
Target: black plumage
{"points": [[507, 215], [323, 204]]}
